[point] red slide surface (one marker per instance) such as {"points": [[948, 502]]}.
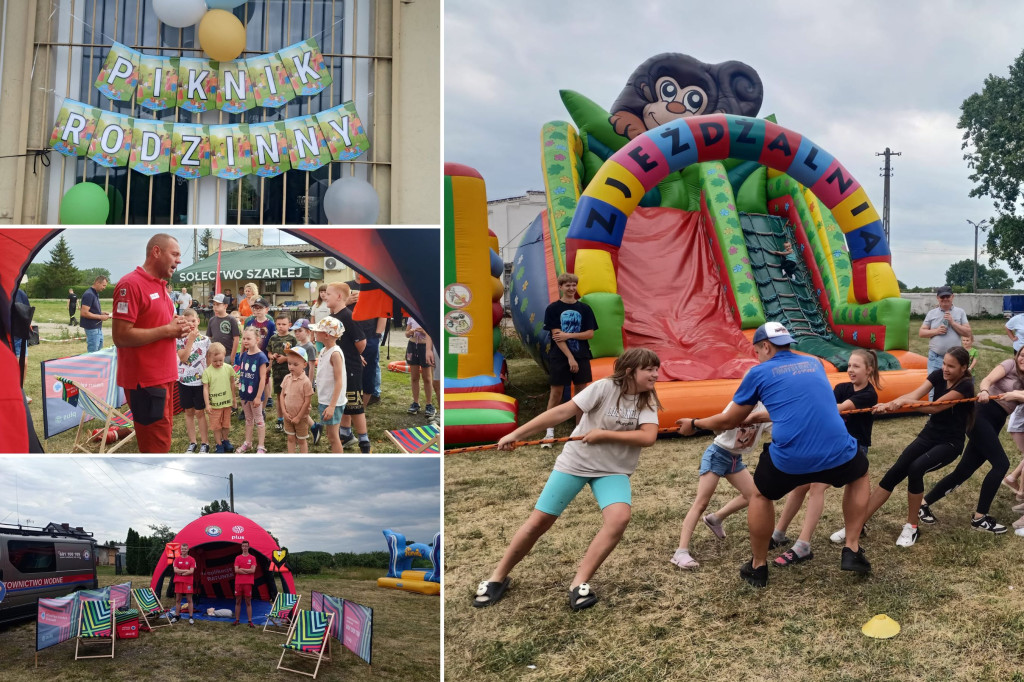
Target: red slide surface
{"points": [[674, 302]]}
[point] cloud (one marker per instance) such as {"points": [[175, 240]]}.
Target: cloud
{"points": [[855, 77], [326, 504]]}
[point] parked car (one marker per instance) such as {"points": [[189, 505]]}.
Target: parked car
{"points": [[43, 563]]}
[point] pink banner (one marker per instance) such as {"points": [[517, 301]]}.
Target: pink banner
{"points": [[357, 635]]}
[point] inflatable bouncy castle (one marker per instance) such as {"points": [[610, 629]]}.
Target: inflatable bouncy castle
{"points": [[476, 409], [401, 575], [690, 223]]}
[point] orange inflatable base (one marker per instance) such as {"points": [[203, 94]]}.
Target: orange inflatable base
{"points": [[696, 399]]}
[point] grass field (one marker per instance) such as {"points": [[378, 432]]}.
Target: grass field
{"points": [[406, 643], [389, 414], [956, 593]]}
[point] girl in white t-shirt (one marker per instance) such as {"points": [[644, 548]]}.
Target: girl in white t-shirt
{"points": [[617, 417], [724, 457]]}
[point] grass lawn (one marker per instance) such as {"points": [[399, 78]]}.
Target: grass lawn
{"points": [[956, 593], [389, 414], [406, 642]]}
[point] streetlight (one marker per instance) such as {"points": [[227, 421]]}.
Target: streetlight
{"points": [[982, 225]]}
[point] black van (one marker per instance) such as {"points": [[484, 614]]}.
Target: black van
{"points": [[43, 563]]}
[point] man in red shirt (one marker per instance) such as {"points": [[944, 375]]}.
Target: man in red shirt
{"points": [[144, 330], [184, 567], [245, 578]]}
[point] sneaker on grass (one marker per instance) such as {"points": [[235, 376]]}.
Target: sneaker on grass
{"points": [[190, 449], [925, 514], [908, 536], [855, 561], [756, 577], [414, 408], [987, 523]]}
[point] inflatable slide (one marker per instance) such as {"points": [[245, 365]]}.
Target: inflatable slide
{"points": [[688, 235]]}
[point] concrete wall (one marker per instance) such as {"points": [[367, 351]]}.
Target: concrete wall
{"points": [[975, 305]]}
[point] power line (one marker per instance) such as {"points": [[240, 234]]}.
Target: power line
{"points": [[162, 466]]}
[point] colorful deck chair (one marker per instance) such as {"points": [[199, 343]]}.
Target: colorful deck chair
{"points": [[94, 406], [281, 612], [150, 607], [419, 440], [308, 637], [95, 627]]}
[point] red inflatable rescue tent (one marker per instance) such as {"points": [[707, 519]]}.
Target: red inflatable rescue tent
{"points": [[214, 541]]}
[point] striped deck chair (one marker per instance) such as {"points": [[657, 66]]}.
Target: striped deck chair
{"points": [[150, 607], [94, 406], [95, 627], [281, 612], [419, 440], [308, 637]]}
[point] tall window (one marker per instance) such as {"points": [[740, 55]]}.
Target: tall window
{"points": [[81, 32]]}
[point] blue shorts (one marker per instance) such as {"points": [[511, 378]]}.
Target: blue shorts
{"points": [[339, 410], [561, 488], [720, 462]]}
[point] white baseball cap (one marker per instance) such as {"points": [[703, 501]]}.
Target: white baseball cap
{"points": [[774, 332]]}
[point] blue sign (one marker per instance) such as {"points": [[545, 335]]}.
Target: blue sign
{"points": [[3, 590]]}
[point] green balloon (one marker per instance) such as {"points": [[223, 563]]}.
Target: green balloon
{"points": [[84, 204]]}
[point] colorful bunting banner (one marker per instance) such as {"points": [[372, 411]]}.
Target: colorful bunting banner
{"points": [[158, 83], [151, 149], [194, 150], [197, 84], [119, 77], [270, 83], [76, 124], [305, 65]]}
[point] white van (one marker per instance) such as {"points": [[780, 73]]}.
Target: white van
{"points": [[43, 563]]}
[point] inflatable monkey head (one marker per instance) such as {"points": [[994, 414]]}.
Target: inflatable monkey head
{"points": [[672, 85]]}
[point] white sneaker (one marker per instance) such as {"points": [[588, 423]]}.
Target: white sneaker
{"points": [[548, 434], [1019, 531], [908, 536], [839, 537]]}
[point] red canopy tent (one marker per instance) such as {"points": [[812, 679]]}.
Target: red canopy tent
{"points": [[214, 541], [404, 262]]}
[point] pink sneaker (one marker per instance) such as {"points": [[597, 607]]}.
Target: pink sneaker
{"points": [[244, 447], [715, 526]]}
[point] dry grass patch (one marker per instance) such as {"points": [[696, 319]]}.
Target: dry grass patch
{"points": [[950, 592]]}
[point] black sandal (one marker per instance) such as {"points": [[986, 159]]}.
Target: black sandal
{"points": [[582, 597], [493, 591]]}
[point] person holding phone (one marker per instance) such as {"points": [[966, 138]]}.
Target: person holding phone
{"points": [[943, 326]]}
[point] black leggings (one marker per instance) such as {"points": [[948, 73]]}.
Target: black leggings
{"points": [[984, 445], [920, 457]]}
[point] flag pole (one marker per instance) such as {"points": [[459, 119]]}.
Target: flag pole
{"points": [[220, 246]]}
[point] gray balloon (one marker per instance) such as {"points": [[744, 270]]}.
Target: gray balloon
{"points": [[351, 201]]}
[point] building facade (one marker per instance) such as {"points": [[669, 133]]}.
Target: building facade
{"points": [[384, 55]]}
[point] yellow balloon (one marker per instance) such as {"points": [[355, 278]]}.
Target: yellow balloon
{"points": [[221, 35]]}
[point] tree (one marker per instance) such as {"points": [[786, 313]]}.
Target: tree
{"points": [[204, 243], [214, 507], [87, 277], [59, 273], [902, 285], [961, 274], [993, 137]]}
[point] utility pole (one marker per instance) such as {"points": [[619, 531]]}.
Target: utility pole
{"points": [[886, 173], [982, 225], [231, 489]]}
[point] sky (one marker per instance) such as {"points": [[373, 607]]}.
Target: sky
{"points": [[325, 504], [92, 247], [855, 77]]}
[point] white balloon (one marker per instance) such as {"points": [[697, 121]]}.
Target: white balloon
{"points": [[351, 201], [179, 13]]}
